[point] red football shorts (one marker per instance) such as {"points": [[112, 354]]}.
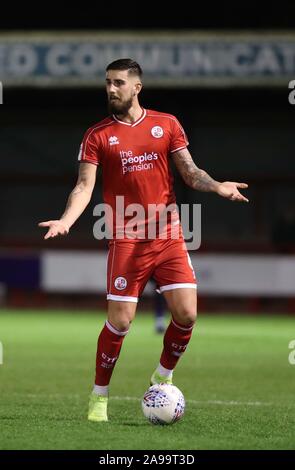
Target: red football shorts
{"points": [[132, 264]]}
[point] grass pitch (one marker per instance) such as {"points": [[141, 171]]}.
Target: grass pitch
{"points": [[235, 376]]}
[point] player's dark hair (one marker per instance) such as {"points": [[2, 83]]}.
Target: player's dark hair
{"points": [[126, 64]]}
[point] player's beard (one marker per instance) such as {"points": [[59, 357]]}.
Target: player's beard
{"points": [[119, 107]]}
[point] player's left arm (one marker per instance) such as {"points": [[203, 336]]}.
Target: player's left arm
{"points": [[200, 180]]}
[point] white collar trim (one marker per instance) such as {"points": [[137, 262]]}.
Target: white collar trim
{"points": [[129, 123]]}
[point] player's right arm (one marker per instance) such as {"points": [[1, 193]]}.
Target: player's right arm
{"points": [[199, 179], [77, 202]]}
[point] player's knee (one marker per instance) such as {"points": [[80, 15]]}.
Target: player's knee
{"points": [[121, 316], [186, 316], [122, 324]]}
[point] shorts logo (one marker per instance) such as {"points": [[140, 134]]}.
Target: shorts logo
{"points": [[157, 132], [120, 283]]}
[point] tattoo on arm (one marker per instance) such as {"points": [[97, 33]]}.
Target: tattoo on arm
{"points": [[191, 174]]}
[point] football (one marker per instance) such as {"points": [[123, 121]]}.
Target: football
{"points": [[163, 404]]}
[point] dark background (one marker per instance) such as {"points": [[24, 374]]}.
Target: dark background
{"points": [[162, 15]]}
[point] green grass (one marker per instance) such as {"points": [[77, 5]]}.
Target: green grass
{"points": [[235, 376]]}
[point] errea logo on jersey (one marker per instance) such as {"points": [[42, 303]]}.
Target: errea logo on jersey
{"points": [[113, 140]]}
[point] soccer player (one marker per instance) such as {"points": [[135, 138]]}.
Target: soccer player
{"points": [[134, 146]]}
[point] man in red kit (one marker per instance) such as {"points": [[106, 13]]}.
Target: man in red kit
{"points": [[133, 146]]}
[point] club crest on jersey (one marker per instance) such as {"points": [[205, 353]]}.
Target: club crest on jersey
{"points": [[157, 132], [113, 140], [120, 283]]}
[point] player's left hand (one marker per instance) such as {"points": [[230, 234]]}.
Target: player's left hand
{"points": [[229, 190]]}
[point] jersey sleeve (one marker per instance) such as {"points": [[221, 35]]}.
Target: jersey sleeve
{"points": [[178, 137], [90, 150]]}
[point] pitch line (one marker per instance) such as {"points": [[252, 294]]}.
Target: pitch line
{"points": [[126, 398], [206, 402]]}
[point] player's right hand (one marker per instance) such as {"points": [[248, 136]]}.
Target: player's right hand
{"points": [[56, 227]]}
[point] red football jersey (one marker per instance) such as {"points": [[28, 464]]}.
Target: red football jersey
{"points": [[135, 164]]}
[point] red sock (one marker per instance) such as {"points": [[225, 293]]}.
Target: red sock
{"points": [[175, 342], [108, 349]]}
